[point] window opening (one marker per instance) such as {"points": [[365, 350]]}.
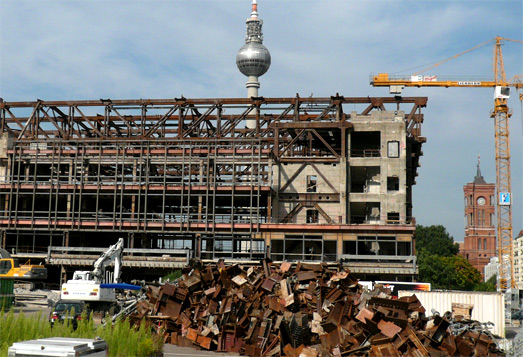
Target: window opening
{"points": [[393, 183], [312, 216], [312, 183], [393, 217], [393, 149]]}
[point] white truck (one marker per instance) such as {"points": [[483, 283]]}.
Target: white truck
{"points": [[88, 286]]}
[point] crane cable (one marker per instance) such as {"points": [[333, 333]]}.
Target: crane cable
{"points": [[462, 53], [455, 56]]}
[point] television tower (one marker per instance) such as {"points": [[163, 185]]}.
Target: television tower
{"points": [[253, 59]]}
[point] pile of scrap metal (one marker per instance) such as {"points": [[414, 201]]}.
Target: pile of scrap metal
{"points": [[297, 310]]}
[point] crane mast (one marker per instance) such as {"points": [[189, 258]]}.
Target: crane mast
{"points": [[501, 115]]}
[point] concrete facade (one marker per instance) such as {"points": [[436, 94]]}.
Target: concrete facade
{"points": [[370, 186], [385, 182]]}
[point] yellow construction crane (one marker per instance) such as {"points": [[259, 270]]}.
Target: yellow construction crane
{"points": [[501, 117]]}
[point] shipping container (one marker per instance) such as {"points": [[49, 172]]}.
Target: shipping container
{"points": [[486, 307]]}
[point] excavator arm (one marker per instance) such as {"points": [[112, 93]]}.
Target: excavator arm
{"points": [[114, 253]]}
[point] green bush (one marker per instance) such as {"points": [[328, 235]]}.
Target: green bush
{"points": [[172, 276], [122, 338]]}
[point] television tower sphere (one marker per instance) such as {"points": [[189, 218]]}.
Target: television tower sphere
{"points": [[253, 59]]}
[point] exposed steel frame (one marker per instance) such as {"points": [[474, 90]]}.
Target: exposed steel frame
{"points": [[183, 166]]}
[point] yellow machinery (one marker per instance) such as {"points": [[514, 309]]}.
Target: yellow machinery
{"points": [[501, 117], [10, 269]]}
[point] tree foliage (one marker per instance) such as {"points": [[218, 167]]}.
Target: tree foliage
{"points": [[440, 265], [436, 240], [454, 272], [489, 285]]}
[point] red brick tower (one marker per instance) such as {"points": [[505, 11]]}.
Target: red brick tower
{"points": [[480, 234]]}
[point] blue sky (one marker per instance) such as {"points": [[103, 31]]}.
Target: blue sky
{"points": [[57, 50]]}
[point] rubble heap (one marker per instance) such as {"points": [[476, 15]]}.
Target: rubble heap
{"points": [[303, 310]]}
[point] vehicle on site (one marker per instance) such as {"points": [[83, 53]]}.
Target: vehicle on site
{"points": [[70, 310], [93, 287], [11, 269]]}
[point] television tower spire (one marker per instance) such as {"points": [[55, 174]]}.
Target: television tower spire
{"points": [[253, 59]]}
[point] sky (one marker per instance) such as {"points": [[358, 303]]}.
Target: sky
{"points": [[65, 50]]}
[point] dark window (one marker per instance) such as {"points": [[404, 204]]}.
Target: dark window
{"points": [[312, 216], [349, 247], [365, 144], [393, 218], [505, 91], [5, 266], [330, 252], [367, 248], [393, 183], [404, 248]]}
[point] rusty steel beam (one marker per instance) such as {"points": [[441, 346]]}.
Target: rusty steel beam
{"points": [[129, 119], [376, 101]]}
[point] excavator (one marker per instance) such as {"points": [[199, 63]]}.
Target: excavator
{"points": [[92, 287], [11, 269]]}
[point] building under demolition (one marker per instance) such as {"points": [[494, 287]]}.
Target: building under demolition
{"points": [[312, 179]]}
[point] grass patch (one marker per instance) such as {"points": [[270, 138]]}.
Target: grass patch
{"points": [[122, 338]]}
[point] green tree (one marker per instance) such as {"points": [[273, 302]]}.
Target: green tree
{"points": [[436, 240], [447, 272], [489, 285], [467, 276]]}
